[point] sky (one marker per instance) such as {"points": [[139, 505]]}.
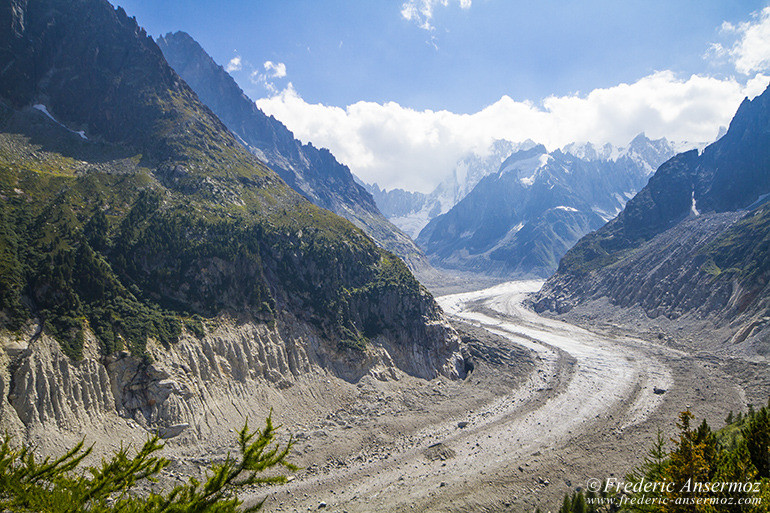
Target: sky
{"points": [[399, 90]]}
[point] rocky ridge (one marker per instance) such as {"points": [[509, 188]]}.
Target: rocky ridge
{"points": [[313, 172]]}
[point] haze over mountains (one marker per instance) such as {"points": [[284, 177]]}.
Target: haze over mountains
{"points": [[515, 212], [411, 211]]}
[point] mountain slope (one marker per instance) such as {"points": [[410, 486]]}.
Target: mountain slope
{"points": [[519, 221], [312, 172], [156, 217], [692, 244]]}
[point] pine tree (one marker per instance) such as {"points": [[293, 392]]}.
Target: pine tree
{"points": [[757, 436], [735, 467], [652, 470], [28, 484], [693, 460], [579, 503]]}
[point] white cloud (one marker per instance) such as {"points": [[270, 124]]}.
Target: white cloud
{"points": [[275, 70], [421, 11], [750, 52], [272, 71], [396, 146], [234, 64]]}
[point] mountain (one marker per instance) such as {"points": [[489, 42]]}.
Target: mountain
{"points": [[403, 208], [411, 211], [519, 221], [312, 172], [691, 247], [151, 268]]}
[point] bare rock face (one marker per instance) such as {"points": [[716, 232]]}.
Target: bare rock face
{"points": [[49, 389], [198, 387]]}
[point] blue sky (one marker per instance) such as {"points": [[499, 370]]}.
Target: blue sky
{"points": [[452, 75]]}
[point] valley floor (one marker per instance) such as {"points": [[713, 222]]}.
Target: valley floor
{"points": [[548, 406]]}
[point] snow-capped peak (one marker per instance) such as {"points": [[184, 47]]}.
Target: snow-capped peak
{"points": [[525, 164], [590, 151]]}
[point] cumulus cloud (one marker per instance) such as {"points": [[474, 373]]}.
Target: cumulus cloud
{"points": [[750, 52], [234, 64], [396, 146], [421, 11], [273, 70]]}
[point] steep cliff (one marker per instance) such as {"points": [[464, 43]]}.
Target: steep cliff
{"points": [[198, 387]]}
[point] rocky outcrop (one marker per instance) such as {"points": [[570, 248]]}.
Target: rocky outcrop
{"points": [[48, 389]]}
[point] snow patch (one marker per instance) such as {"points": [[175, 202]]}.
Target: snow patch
{"points": [[526, 169], [606, 216], [42, 108], [694, 208], [568, 209], [527, 180]]}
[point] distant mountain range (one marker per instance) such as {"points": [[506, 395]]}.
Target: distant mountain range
{"points": [[311, 171], [521, 219], [693, 246], [411, 211]]}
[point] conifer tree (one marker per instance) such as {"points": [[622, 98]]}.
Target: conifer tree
{"points": [[757, 436], [29, 484]]}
